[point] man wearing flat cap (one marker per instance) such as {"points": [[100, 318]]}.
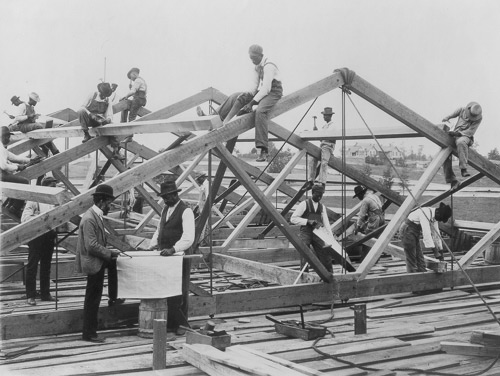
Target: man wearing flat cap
{"points": [[26, 120], [138, 92], [92, 258], [327, 148], [41, 250], [311, 214], [265, 92], [370, 216], [175, 236], [469, 118]]}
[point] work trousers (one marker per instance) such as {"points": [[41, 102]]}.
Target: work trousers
{"points": [[326, 152], [8, 177], [87, 122], [133, 106], [264, 107], [324, 254], [178, 306], [463, 143], [410, 236], [239, 98], [40, 251], [28, 127], [93, 296]]}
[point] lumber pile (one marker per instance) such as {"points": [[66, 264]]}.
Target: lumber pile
{"points": [[481, 343]]}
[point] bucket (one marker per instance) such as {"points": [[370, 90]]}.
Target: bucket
{"points": [[492, 254], [150, 310]]}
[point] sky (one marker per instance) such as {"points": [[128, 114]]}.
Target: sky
{"points": [[431, 55]]}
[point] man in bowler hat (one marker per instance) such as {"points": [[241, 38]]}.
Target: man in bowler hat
{"points": [[175, 235], [92, 258]]}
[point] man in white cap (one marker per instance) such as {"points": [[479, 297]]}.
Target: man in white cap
{"points": [[469, 118], [327, 148], [26, 120]]}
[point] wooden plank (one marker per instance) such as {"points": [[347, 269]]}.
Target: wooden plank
{"points": [[47, 195], [402, 213], [260, 271], [334, 134], [480, 246], [274, 214], [420, 125], [471, 349]]}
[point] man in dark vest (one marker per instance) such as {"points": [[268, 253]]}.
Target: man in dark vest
{"points": [[311, 214], [175, 235]]}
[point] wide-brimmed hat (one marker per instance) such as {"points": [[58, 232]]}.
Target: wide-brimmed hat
{"points": [[327, 111], [6, 130], [35, 97], [137, 70], [104, 89], [104, 190], [14, 99], [48, 180], [167, 187], [359, 190], [473, 110]]}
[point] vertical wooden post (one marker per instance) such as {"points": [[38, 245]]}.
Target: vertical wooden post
{"points": [[360, 319], [159, 344]]}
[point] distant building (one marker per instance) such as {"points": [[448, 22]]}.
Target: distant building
{"points": [[359, 152]]}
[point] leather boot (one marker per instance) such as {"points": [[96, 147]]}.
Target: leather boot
{"points": [[87, 136]]}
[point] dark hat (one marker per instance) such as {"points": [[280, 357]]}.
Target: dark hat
{"points": [[105, 89], [6, 130], [104, 190], [473, 110], [318, 188], [14, 99], [167, 187], [255, 49], [48, 180], [359, 190], [327, 111], [137, 70]]}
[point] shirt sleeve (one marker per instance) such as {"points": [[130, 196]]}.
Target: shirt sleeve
{"points": [[22, 113], [187, 237], [154, 240], [87, 101], [296, 217], [270, 72], [455, 113], [30, 211], [363, 211], [426, 228]]}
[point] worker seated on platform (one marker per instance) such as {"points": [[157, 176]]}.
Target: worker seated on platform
{"points": [[138, 92], [371, 215], [175, 235], [423, 221], [96, 111], [26, 122], [310, 215]]}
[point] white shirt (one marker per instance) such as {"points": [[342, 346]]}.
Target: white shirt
{"points": [[139, 85], [22, 112], [109, 111], [426, 219], [263, 87], [187, 238], [33, 208], [6, 159], [297, 219]]}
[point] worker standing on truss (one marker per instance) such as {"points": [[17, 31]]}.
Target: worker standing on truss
{"points": [[371, 215], [423, 221], [327, 148], [469, 118]]}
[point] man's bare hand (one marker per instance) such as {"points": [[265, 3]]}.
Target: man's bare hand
{"points": [[167, 252]]}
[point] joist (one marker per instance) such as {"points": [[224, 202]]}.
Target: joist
{"points": [[335, 134], [480, 246], [206, 123], [471, 349], [28, 192]]}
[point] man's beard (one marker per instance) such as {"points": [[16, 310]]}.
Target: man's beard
{"points": [[105, 211]]}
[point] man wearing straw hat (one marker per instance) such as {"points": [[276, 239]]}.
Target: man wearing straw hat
{"points": [[175, 236], [469, 118]]}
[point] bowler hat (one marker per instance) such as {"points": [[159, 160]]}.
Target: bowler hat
{"points": [[327, 111], [359, 190], [473, 110], [137, 70], [167, 187], [5, 131], [104, 190], [14, 99], [35, 97], [48, 180]]}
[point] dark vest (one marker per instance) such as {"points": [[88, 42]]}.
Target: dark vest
{"points": [[97, 107], [30, 112], [309, 213], [171, 230]]}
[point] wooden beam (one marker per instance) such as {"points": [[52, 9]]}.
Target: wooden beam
{"points": [[271, 189], [123, 129], [420, 124], [258, 270], [335, 134], [402, 213], [480, 246], [261, 199], [46, 195]]}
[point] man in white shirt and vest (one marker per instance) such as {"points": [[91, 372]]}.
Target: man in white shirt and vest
{"points": [[138, 92], [175, 236]]}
